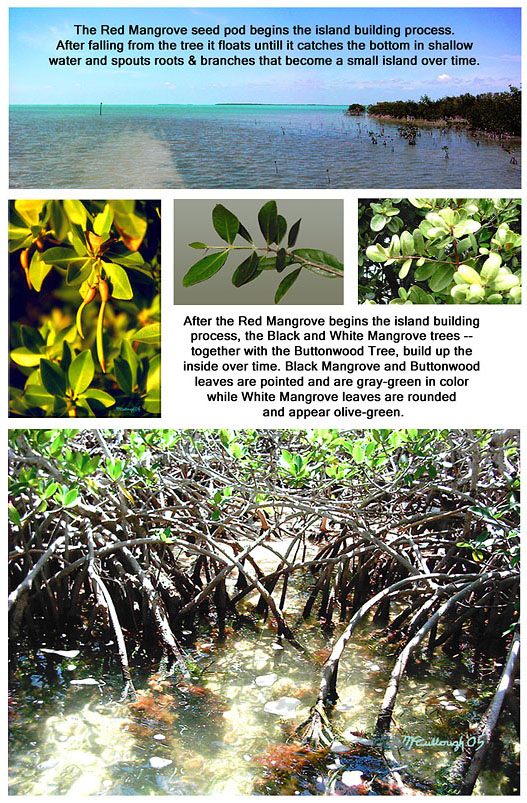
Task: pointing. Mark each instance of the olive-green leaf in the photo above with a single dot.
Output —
(81, 371)
(424, 272)
(286, 284)
(153, 380)
(281, 228)
(70, 497)
(377, 222)
(121, 287)
(38, 270)
(76, 211)
(123, 374)
(320, 259)
(242, 231)
(225, 223)
(441, 278)
(100, 396)
(407, 264)
(102, 222)
(246, 270)
(280, 260)
(151, 334)
(53, 378)
(79, 271)
(59, 220)
(25, 357)
(197, 245)
(205, 268)
(293, 234)
(268, 221)
(61, 257)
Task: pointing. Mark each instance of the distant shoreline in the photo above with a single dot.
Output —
(454, 125)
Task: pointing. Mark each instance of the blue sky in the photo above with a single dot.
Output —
(34, 33)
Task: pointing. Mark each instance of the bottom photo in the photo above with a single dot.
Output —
(264, 612)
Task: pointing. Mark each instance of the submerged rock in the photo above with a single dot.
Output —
(284, 707)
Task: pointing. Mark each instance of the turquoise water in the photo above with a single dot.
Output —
(241, 147)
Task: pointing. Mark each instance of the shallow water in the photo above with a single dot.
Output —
(241, 147)
(79, 739)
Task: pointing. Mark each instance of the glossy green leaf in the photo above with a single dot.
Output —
(246, 270)
(286, 284)
(320, 259)
(129, 356)
(405, 267)
(423, 272)
(13, 514)
(123, 375)
(37, 396)
(79, 271)
(70, 497)
(81, 371)
(100, 396)
(197, 245)
(38, 270)
(151, 334)
(205, 268)
(153, 380)
(441, 278)
(377, 222)
(53, 378)
(293, 234)
(59, 220)
(281, 228)
(280, 260)
(25, 357)
(102, 223)
(76, 211)
(121, 287)
(225, 223)
(268, 221)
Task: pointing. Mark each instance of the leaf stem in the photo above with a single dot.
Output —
(267, 248)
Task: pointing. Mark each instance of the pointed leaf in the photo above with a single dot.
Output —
(246, 270)
(38, 270)
(280, 260)
(286, 284)
(205, 268)
(242, 231)
(225, 223)
(121, 287)
(102, 223)
(281, 228)
(53, 378)
(79, 271)
(293, 234)
(197, 245)
(123, 375)
(151, 334)
(81, 371)
(76, 211)
(100, 396)
(442, 277)
(321, 258)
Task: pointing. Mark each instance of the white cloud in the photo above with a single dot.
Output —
(444, 77)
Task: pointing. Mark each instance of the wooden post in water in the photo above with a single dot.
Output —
(100, 110)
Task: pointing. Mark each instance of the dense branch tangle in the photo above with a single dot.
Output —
(167, 528)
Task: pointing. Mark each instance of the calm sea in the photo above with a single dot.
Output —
(241, 147)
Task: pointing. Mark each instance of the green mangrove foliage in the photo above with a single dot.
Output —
(492, 112)
(440, 251)
(85, 308)
(277, 254)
